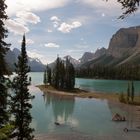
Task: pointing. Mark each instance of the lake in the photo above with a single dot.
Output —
(84, 116)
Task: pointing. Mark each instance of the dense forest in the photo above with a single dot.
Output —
(124, 72)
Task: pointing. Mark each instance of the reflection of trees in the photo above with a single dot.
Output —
(62, 106)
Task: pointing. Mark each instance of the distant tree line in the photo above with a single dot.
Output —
(124, 72)
(62, 76)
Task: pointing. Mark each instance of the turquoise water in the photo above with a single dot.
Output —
(85, 116)
(111, 86)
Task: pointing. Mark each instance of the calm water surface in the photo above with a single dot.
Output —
(86, 116)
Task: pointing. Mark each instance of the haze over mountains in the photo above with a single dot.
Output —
(124, 48)
(34, 63)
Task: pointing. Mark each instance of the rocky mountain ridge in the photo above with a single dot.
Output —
(124, 48)
(12, 57)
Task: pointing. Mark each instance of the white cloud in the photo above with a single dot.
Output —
(102, 3)
(16, 27)
(19, 25)
(49, 31)
(112, 7)
(56, 21)
(54, 18)
(28, 41)
(66, 28)
(34, 54)
(33, 5)
(52, 45)
(26, 16)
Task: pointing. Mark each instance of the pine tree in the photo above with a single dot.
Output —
(49, 75)
(132, 91)
(57, 73)
(3, 69)
(21, 99)
(128, 92)
(45, 77)
(69, 75)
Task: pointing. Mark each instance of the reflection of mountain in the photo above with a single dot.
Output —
(62, 107)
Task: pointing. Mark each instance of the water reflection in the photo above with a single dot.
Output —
(62, 107)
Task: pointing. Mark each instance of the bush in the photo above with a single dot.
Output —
(122, 98)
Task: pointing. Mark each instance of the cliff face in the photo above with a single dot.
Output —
(100, 52)
(124, 42)
(87, 56)
(124, 48)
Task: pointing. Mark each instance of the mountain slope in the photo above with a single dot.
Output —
(124, 48)
(12, 57)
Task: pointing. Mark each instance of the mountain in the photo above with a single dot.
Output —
(12, 57)
(72, 60)
(99, 52)
(124, 48)
(87, 56)
(36, 65)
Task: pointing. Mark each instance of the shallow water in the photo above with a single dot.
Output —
(85, 116)
(76, 115)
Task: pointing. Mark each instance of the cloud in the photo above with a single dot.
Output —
(52, 45)
(34, 54)
(16, 27)
(54, 18)
(19, 25)
(33, 5)
(26, 16)
(49, 31)
(56, 21)
(66, 28)
(28, 41)
(112, 7)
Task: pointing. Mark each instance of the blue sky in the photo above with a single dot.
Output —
(64, 27)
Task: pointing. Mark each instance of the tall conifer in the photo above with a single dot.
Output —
(3, 69)
(21, 99)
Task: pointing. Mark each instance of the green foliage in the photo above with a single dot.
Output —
(132, 91)
(128, 92)
(3, 67)
(123, 72)
(130, 6)
(49, 75)
(20, 104)
(63, 75)
(122, 98)
(45, 77)
(6, 131)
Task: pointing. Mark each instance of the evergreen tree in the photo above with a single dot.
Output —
(21, 99)
(132, 91)
(49, 75)
(45, 77)
(63, 75)
(128, 92)
(3, 69)
(57, 73)
(69, 75)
